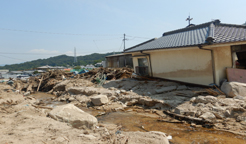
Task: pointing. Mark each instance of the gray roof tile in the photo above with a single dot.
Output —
(192, 36)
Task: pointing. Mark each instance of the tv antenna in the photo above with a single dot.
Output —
(189, 19)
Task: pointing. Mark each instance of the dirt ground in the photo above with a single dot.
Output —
(25, 119)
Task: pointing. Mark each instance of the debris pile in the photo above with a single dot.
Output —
(111, 74)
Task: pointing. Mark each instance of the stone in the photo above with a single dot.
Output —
(165, 89)
(210, 99)
(71, 99)
(99, 100)
(123, 91)
(27, 94)
(182, 87)
(91, 137)
(154, 137)
(218, 115)
(208, 116)
(239, 97)
(61, 86)
(132, 102)
(227, 113)
(82, 90)
(74, 116)
(232, 89)
(82, 99)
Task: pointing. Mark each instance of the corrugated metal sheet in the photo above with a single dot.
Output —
(192, 36)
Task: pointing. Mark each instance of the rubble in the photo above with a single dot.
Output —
(99, 100)
(232, 89)
(74, 116)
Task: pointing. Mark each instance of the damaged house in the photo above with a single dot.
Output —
(199, 54)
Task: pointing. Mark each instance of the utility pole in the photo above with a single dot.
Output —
(124, 41)
(75, 57)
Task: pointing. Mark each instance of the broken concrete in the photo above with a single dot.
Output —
(99, 100)
(232, 89)
(71, 114)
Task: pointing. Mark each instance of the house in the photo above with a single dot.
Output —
(119, 60)
(196, 54)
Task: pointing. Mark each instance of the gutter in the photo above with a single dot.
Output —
(149, 62)
(212, 58)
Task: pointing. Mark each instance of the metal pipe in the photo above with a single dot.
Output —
(149, 62)
(212, 58)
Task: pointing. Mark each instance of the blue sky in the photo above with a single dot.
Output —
(33, 29)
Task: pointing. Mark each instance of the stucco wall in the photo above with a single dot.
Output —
(187, 65)
(222, 59)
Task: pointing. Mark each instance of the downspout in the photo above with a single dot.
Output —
(212, 58)
(149, 62)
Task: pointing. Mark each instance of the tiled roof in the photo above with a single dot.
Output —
(207, 33)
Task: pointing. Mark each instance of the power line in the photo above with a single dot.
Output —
(138, 37)
(13, 58)
(58, 33)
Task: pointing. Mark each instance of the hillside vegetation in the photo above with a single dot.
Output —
(61, 60)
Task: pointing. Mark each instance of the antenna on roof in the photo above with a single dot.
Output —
(189, 19)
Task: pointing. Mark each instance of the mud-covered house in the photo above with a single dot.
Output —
(199, 54)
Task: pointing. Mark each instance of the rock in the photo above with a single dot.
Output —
(91, 137)
(149, 102)
(123, 91)
(82, 99)
(27, 94)
(61, 86)
(74, 116)
(82, 90)
(218, 115)
(99, 100)
(165, 89)
(117, 92)
(210, 99)
(71, 99)
(179, 110)
(154, 137)
(239, 97)
(208, 116)
(111, 88)
(232, 89)
(227, 113)
(132, 102)
(182, 87)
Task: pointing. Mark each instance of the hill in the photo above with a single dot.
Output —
(61, 60)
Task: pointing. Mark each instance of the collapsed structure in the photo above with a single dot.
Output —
(196, 54)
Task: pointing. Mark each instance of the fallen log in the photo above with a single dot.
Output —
(40, 83)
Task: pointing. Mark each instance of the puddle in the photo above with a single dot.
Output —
(47, 99)
(180, 133)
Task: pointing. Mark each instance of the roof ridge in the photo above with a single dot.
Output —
(191, 28)
(234, 25)
(140, 44)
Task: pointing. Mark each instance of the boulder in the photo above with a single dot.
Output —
(82, 90)
(155, 137)
(99, 100)
(232, 89)
(61, 86)
(208, 116)
(165, 89)
(74, 116)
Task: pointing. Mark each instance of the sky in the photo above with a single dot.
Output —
(38, 29)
